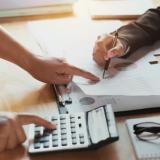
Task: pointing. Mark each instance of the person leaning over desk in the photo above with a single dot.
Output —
(48, 70)
(144, 31)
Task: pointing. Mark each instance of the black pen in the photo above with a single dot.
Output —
(61, 103)
(108, 61)
(59, 96)
(66, 95)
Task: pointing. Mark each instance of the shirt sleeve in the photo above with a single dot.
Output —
(143, 31)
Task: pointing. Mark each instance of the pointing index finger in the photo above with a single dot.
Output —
(80, 72)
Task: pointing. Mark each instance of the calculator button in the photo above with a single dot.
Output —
(54, 119)
(63, 126)
(37, 145)
(74, 141)
(73, 135)
(55, 132)
(44, 139)
(62, 117)
(72, 120)
(81, 135)
(73, 125)
(47, 131)
(64, 136)
(72, 116)
(55, 144)
(63, 121)
(63, 131)
(37, 129)
(37, 134)
(82, 140)
(46, 134)
(55, 137)
(73, 130)
(36, 140)
(64, 142)
(46, 145)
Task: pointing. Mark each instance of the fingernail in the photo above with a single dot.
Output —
(96, 79)
(106, 57)
(111, 54)
(52, 126)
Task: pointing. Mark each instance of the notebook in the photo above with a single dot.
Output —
(144, 150)
(127, 9)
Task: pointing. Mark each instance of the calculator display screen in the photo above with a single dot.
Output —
(97, 125)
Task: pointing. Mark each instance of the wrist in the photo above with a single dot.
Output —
(27, 61)
(34, 64)
(126, 47)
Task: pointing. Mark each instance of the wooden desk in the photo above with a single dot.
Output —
(21, 93)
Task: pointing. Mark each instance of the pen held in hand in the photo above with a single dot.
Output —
(106, 67)
(109, 60)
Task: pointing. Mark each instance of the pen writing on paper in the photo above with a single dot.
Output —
(109, 60)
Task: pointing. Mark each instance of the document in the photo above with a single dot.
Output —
(130, 84)
(139, 78)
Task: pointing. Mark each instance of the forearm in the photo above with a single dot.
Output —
(144, 31)
(12, 51)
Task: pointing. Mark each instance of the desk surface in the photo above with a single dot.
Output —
(21, 93)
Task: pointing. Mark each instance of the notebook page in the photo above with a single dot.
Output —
(144, 150)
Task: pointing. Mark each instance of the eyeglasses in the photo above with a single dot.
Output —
(147, 131)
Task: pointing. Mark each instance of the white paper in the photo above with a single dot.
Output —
(74, 39)
(138, 79)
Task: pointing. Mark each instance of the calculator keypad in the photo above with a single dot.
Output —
(70, 133)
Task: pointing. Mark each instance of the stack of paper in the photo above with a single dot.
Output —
(31, 7)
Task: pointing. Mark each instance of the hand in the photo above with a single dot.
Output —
(58, 71)
(11, 131)
(103, 49)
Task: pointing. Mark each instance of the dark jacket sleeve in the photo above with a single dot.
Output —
(144, 31)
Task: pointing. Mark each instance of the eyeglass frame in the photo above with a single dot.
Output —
(139, 130)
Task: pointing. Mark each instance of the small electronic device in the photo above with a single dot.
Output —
(81, 130)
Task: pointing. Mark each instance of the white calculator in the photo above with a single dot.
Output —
(75, 131)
